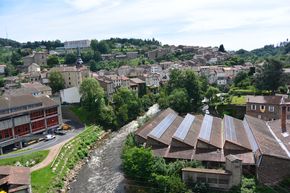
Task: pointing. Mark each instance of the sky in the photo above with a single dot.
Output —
(246, 24)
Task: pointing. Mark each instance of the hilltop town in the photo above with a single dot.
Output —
(222, 118)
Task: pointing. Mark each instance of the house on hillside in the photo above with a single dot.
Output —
(266, 108)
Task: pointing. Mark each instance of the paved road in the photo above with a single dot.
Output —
(46, 144)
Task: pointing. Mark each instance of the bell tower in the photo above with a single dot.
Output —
(79, 62)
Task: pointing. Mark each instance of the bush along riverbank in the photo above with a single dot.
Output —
(55, 177)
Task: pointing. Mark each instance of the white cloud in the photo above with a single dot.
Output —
(239, 23)
(84, 5)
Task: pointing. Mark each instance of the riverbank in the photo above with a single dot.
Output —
(102, 173)
(74, 172)
(51, 178)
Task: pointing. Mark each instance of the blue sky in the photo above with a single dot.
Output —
(237, 24)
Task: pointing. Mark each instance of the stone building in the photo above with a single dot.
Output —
(223, 179)
(39, 58)
(266, 108)
(72, 75)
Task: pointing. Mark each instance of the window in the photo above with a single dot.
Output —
(69, 78)
(69, 83)
(288, 109)
(223, 181)
(201, 179)
(6, 133)
(22, 130)
(262, 107)
(271, 108)
(212, 180)
(38, 125)
(253, 107)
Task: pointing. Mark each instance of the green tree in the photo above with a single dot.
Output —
(222, 48)
(87, 56)
(70, 58)
(287, 48)
(170, 184)
(52, 60)
(103, 47)
(188, 80)
(137, 163)
(10, 70)
(93, 65)
(16, 58)
(211, 93)
(126, 100)
(92, 95)
(97, 56)
(94, 45)
(56, 81)
(178, 100)
(270, 75)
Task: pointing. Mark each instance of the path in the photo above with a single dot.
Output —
(53, 152)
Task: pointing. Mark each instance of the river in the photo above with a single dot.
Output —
(103, 171)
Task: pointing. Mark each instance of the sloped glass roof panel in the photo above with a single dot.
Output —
(206, 127)
(230, 129)
(163, 125)
(250, 135)
(183, 128)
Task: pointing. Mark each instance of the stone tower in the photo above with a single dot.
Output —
(79, 62)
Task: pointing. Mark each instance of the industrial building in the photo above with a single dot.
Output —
(22, 117)
(258, 144)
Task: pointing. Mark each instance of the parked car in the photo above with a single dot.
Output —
(59, 132)
(49, 137)
(66, 127)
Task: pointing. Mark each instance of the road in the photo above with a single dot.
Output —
(46, 144)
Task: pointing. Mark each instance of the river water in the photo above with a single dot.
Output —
(103, 172)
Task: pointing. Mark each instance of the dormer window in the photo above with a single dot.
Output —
(253, 107)
(262, 108)
(271, 108)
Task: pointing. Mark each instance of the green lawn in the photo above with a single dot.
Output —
(236, 100)
(28, 160)
(18, 151)
(41, 179)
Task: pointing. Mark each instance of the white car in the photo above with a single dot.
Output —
(49, 137)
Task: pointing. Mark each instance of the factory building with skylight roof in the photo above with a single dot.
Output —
(263, 147)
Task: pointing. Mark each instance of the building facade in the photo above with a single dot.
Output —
(72, 75)
(77, 44)
(39, 58)
(23, 116)
(266, 108)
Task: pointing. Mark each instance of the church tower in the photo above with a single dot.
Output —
(79, 62)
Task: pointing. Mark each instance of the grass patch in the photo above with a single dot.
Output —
(28, 160)
(82, 114)
(53, 176)
(41, 179)
(238, 100)
(17, 151)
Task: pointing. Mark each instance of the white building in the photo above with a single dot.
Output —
(77, 44)
(2, 68)
(70, 95)
(33, 68)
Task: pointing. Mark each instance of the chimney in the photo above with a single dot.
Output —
(283, 115)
